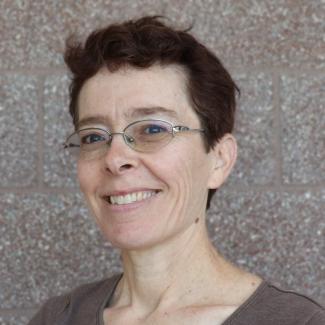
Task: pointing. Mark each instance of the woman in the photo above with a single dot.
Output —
(153, 111)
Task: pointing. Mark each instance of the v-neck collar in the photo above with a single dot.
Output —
(241, 309)
(100, 312)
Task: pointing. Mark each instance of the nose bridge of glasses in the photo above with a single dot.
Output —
(116, 133)
(127, 138)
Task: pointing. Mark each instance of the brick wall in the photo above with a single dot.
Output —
(268, 218)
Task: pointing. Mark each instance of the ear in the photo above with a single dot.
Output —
(224, 155)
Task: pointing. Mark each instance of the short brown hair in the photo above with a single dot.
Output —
(147, 41)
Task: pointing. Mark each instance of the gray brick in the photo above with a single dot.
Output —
(254, 131)
(303, 124)
(59, 167)
(253, 32)
(49, 23)
(18, 130)
(13, 35)
(248, 32)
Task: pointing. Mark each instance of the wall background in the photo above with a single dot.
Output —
(268, 218)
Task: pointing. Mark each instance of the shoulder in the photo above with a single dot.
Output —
(272, 305)
(90, 295)
(297, 301)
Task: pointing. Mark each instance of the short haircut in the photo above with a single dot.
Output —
(147, 41)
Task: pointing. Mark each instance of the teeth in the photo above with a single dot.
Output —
(131, 197)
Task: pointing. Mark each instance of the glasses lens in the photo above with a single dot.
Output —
(148, 135)
(87, 141)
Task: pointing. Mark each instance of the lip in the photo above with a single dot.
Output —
(128, 191)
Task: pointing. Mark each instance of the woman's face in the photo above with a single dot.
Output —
(171, 183)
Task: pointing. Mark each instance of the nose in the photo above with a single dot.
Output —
(119, 157)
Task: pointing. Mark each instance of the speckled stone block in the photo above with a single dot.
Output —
(254, 131)
(49, 23)
(18, 130)
(48, 244)
(303, 124)
(242, 32)
(59, 166)
(253, 32)
(14, 320)
(279, 236)
(13, 36)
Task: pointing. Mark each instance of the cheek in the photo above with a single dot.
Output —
(185, 171)
(196, 173)
(191, 165)
(85, 176)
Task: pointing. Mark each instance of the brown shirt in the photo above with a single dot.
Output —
(268, 305)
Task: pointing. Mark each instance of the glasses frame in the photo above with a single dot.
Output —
(176, 129)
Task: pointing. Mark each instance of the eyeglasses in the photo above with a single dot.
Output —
(142, 136)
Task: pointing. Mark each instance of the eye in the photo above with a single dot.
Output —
(154, 129)
(148, 131)
(92, 138)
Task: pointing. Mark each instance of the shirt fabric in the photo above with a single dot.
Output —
(268, 305)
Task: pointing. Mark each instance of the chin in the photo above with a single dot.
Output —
(129, 238)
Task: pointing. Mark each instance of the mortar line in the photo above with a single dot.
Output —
(316, 71)
(291, 188)
(38, 190)
(277, 69)
(35, 71)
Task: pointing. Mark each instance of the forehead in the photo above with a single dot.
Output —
(130, 92)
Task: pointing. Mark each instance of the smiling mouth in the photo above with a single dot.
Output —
(130, 197)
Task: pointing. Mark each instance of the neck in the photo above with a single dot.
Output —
(173, 272)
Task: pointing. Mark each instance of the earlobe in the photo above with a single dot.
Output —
(224, 158)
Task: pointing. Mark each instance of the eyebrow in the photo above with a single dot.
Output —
(144, 111)
(131, 113)
(96, 119)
